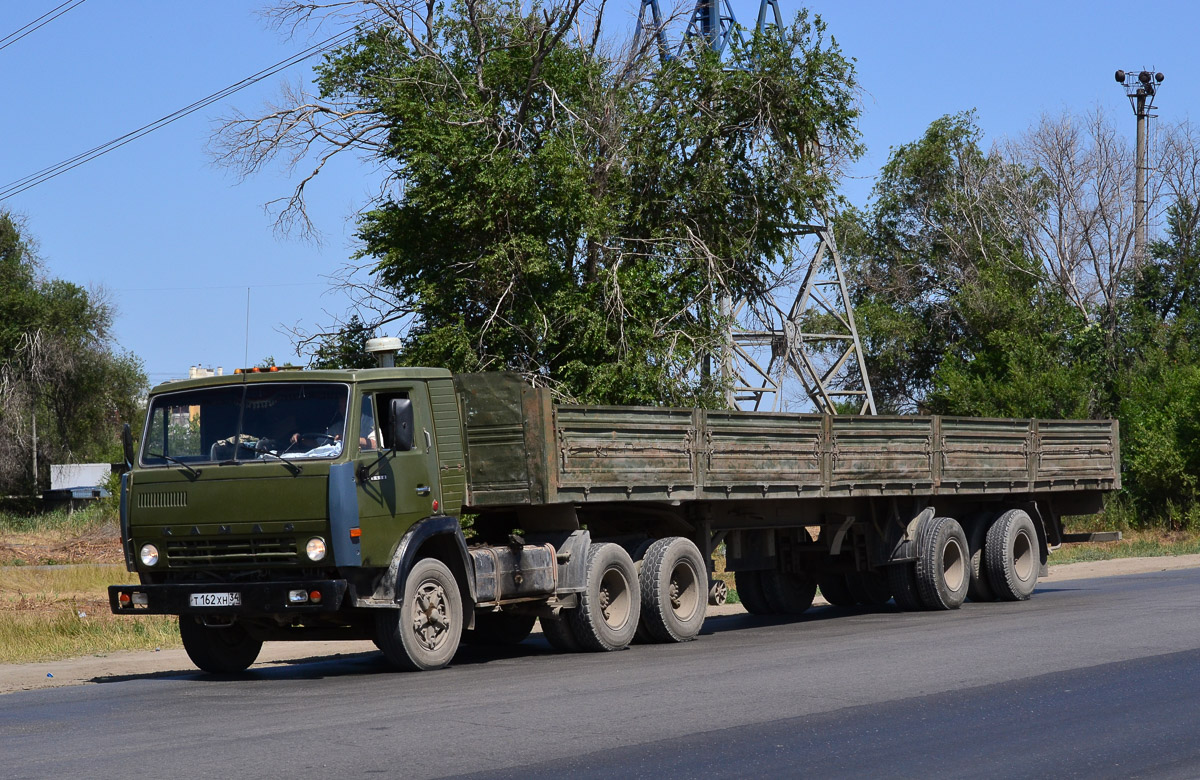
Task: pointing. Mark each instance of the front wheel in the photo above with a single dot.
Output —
(424, 633)
(218, 649)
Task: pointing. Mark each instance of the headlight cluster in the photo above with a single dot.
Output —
(315, 549)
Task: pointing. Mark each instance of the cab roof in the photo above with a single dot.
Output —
(350, 375)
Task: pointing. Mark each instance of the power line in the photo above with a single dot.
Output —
(17, 35)
(45, 174)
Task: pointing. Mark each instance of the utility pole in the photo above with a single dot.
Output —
(1140, 88)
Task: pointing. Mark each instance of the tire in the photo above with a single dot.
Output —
(1011, 556)
(558, 634)
(980, 589)
(943, 565)
(869, 588)
(218, 650)
(748, 585)
(787, 593)
(423, 634)
(499, 629)
(610, 606)
(835, 590)
(902, 577)
(674, 585)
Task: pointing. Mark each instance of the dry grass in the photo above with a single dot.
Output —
(62, 612)
(86, 536)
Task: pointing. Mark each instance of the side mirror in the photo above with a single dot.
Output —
(127, 445)
(402, 422)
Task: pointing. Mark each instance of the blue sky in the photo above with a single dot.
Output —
(176, 241)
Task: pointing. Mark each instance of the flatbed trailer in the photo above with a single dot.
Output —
(602, 522)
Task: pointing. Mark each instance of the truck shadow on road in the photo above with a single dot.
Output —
(372, 662)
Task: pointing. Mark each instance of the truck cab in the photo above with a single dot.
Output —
(271, 505)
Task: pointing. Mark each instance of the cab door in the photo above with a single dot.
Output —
(395, 489)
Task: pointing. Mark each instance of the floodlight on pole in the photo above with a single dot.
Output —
(1141, 87)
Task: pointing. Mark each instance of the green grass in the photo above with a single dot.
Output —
(59, 521)
(63, 613)
(44, 636)
(1136, 544)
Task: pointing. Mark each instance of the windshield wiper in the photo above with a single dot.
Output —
(194, 472)
(292, 467)
(262, 451)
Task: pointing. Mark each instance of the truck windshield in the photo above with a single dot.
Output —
(250, 422)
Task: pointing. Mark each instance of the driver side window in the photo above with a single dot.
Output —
(368, 431)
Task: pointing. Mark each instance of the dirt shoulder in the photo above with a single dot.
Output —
(97, 669)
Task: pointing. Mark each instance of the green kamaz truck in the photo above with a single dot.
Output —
(332, 504)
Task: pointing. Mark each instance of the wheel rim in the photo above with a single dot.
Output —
(683, 591)
(431, 616)
(615, 598)
(954, 569)
(1022, 553)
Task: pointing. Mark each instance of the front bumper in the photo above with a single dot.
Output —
(257, 598)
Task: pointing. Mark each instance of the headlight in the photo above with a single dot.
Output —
(315, 548)
(149, 554)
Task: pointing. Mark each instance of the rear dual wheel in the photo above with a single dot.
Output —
(673, 583)
(773, 592)
(499, 629)
(1011, 556)
(943, 566)
(609, 608)
(940, 576)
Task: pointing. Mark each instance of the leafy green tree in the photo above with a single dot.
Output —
(561, 204)
(1159, 380)
(955, 316)
(59, 370)
(344, 348)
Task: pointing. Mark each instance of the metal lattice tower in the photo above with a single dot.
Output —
(813, 340)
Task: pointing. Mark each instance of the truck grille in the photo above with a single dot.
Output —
(259, 550)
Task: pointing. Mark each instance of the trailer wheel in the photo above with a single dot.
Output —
(748, 585)
(787, 593)
(674, 597)
(902, 577)
(499, 629)
(610, 606)
(558, 634)
(423, 634)
(836, 591)
(980, 589)
(869, 588)
(1010, 556)
(219, 649)
(943, 566)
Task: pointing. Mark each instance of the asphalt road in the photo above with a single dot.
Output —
(1091, 678)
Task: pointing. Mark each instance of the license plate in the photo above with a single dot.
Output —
(216, 599)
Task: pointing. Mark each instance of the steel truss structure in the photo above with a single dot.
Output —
(813, 340)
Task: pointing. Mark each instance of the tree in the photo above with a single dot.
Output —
(558, 203)
(59, 370)
(956, 316)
